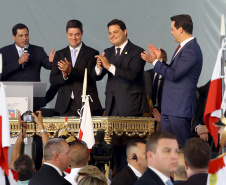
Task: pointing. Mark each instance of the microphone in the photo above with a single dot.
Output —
(25, 51)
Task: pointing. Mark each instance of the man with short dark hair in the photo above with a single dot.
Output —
(79, 159)
(57, 158)
(137, 164)
(68, 73)
(25, 168)
(181, 78)
(21, 65)
(162, 157)
(197, 154)
(125, 95)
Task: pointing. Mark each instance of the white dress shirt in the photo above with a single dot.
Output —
(72, 176)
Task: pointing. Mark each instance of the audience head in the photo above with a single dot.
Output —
(181, 27)
(197, 154)
(90, 180)
(117, 32)
(20, 35)
(74, 33)
(163, 55)
(90, 170)
(180, 174)
(162, 152)
(25, 167)
(57, 153)
(79, 154)
(136, 154)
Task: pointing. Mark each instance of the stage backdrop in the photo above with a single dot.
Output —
(147, 21)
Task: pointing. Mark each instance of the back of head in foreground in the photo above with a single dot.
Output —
(197, 154)
(90, 170)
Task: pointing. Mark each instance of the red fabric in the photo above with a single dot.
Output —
(15, 174)
(178, 48)
(3, 152)
(216, 164)
(68, 170)
(213, 103)
(80, 134)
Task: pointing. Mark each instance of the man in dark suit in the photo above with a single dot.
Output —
(162, 157)
(125, 94)
(137, 164)
(68, 72)
(197, 154)
(154, 84)
(20, 64)
(181, 78)
(57, 158)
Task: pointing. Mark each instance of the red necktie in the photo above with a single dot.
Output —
(178, 48)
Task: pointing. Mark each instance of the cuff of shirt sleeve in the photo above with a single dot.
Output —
(112, 69)
(98, 71)
(155, 62)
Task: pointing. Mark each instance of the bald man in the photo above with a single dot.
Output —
(137, 164)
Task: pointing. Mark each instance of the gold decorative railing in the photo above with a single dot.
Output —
(129, 126)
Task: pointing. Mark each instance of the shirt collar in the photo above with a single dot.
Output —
(160, 174)
(78, 48)
(186, 41)
(57, 169)
(122, 46)
(137, 173)
(19, 48)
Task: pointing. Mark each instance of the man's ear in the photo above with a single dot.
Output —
(186, 165)
(125, 32)
(150, 155)
(14, 38)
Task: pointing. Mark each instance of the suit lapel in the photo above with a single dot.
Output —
(67, 54)
(112, 55)
(15, 52)
(124, 53)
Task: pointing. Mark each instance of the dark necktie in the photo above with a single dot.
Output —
(117, 55)
(177, 49)
(155, 89)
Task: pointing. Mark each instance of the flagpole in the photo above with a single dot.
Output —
(223, 55)
(83, 93)
(222, 66)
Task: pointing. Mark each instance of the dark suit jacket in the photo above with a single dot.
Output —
(12, 71)
(181, 78)
(125, 176)
(196, 179)
(47, 175)
(149, 79)
(127, 86)
(75, 79)
(149, 177)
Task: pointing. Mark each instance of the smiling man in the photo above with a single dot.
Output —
(68, 72)
(125, 94)
(162, 157)
(20, 64)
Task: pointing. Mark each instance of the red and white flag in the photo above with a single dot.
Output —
(86, 127)
(214, 100)
(217, 171)
(4, 131)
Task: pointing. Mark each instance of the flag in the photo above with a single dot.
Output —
(86, 127)
(217, 171)
(214, 100)
(4, 131)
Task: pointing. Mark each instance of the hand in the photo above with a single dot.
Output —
(64, 66)
(202, 129)
(39, 119)
(204, 137)
(153, 50)
(23, 58)
(157, 115)
(147, 57)
(51, 55)
(23, 125)
(101, 59)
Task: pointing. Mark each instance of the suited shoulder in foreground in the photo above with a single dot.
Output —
(162, 157)
(57, 159)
